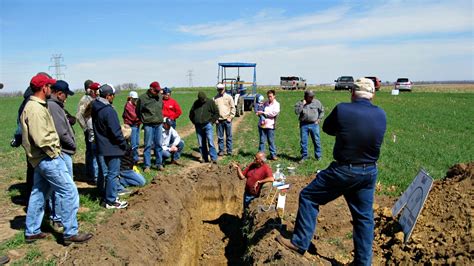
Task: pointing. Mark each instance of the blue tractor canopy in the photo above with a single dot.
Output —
(229, 74)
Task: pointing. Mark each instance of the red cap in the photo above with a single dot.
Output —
(40, 80)
(94, 86)
(155, 85)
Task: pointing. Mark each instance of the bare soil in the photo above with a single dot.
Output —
(195, 218)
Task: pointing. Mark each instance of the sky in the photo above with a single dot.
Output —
(141, 41)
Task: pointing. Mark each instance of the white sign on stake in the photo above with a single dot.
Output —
(412, 201)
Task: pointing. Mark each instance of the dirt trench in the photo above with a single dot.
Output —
(190, 219)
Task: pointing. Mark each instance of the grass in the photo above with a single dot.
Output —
(429, 128)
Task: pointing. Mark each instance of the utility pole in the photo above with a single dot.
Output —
(56, 59)
(190, 77)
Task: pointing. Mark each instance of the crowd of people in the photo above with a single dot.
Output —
(111, 157)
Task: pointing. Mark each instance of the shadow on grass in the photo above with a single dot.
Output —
(90, 192)
(289, 157)
(22, 198)
(18, 223)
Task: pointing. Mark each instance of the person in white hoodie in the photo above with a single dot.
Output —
(172, 143)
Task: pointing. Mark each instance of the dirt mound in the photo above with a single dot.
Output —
(443, 233)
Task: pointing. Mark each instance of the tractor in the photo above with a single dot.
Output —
(236, 87)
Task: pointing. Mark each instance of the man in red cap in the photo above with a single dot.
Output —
(150, 111)
(92, 168)
(41, 143)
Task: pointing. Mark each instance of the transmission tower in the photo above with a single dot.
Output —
(190, 77)
(57, 59)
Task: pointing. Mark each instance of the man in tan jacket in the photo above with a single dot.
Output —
(41, 143)
(226, 106)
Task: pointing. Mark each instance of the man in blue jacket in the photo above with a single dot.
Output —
(359, 128)
(110, 143)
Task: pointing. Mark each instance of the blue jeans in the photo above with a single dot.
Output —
(108, 178)
(357, 185)
(135, 142)
(152, 137)
(205, 138)
(247, 199)
(51, 175)
(222, 127)
(267, 134)
(313, 130)
(102, 175)
(175, 155)
(130, 178)
(92, 166)
(54, 204)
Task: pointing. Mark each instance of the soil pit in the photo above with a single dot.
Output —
(193, 218)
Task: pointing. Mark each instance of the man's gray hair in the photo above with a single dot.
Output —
(363, 94)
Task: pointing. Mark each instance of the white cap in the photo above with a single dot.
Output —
(220, 86)
(133, 94)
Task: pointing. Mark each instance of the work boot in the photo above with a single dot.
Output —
(157, 167)
(4, 260)
(176, 162)
(302, 160)
(79, 238)
(33, 238)
(287, 244)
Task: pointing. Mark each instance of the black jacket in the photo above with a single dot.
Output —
(127, 162)
(204, 110)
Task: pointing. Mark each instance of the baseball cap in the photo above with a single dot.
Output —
(106, 89)
(166, 90)
(155, 85)
(40, 80)
(133, 94)
(220, 86)
(94, 86)
(309, 93)
(364, 84)
(169, 121)
(62, 85)
(87, 84)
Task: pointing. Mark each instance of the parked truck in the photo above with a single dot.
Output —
(292, 83)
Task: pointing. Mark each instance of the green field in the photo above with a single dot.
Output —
(430, 128)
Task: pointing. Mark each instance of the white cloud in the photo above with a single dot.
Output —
(421, 40)
(338, 25)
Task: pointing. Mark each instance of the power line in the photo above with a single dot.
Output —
(190, 77)
(57, 58)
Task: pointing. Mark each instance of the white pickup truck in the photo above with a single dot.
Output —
(292, 83)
